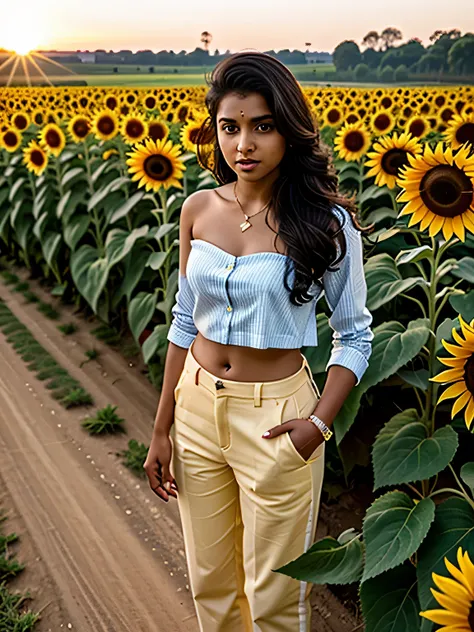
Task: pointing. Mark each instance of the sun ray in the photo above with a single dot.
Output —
(25, 70)
(40, 70)
(52, 61)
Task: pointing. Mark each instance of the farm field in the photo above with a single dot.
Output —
(92, 181)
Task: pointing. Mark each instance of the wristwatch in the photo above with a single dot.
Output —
(319, 423)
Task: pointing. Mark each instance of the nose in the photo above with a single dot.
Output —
(245, 143)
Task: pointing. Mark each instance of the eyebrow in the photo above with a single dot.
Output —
(255, 119)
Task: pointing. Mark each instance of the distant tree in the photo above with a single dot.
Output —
(453, 34)
(386, 74)
(206, 39)
(389, 36)
(372, 57)
(371, 39)
(361, 72)
(400, 74)
(431, 61)
(461, 55)
(346, 55)
(151, 69)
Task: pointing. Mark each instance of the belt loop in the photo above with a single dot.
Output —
(196, 376)
(257, 394)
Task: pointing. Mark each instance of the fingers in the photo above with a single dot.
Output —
(163, 486)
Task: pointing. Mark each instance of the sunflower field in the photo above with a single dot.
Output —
(91, 185)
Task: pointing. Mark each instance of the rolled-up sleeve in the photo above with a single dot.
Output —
(182, 330)
(346, 296)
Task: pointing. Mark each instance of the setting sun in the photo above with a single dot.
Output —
(22, 33)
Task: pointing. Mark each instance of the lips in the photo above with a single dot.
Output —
(247, 162)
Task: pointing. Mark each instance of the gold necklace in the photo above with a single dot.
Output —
(246, 224)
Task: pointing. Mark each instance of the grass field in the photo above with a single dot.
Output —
(140, 76)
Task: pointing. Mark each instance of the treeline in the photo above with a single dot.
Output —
(198, 57)
(449, 54)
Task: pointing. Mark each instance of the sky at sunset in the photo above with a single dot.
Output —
(236, 25)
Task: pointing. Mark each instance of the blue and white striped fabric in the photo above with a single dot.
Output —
(242, 301)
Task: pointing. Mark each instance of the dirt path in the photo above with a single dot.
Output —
(113, 553)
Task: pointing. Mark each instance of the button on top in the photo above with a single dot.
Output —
(229, 308)
(230, 266)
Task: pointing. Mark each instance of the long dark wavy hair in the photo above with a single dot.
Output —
(306, 189)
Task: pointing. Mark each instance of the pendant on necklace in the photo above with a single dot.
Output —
(245, 225)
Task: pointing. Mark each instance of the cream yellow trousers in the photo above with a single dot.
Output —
(248, 505)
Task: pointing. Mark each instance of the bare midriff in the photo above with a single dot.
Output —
(245, 364)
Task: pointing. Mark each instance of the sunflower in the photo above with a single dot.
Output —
(389, 156)
(332, 116)
(180, 113)
(10, 139)
(134, 128)
(439, 189)
(417, 126)
(105, 124)
(352, 141)
(79, 127)
(156, 164)
(35, 158)
(52, 139)
(37, 116)
(111, 101)
(188, 135)
(157, 129)
(149, 101)
(460, 130)
(461, 373)
(382, 122)
(456, 598)
(20, 121)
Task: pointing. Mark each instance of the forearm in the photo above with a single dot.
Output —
(339, 383)
(174, 364)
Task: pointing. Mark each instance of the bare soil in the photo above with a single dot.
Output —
(103, 553)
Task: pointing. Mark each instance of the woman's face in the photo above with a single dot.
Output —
(246, 131)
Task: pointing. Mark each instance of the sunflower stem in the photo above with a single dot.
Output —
(95, 217)
(418, 302)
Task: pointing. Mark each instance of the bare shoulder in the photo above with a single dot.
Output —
(195, 202)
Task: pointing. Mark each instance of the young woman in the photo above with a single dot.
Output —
(233, 422)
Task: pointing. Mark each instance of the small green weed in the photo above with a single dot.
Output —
(106, 334)
(48, 310)
(106, 420)
(9, 278)
(68, 328)
(21, 287)
(135, 456)
(30, 297)
(76, 397)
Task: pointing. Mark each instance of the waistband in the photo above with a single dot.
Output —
(255, 390)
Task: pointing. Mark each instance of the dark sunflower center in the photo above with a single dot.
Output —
(382, 122)
(156, 131)
(130, 99)
(193, 135)
(440, 100)
(39, 118)
(106, 125)
(386, 102)
(469, 380)
(84, 101)
(334, 115)
(394, 160)
(52, 138)
(10, 139)
(352, 118)
(21, 121)
(447, 114)
(37, 158)
(182, 113)
(135, 128)
(465, 133)
(81, 128)
(354, 141)
(417, 127)
(111, 102)
(150, 102)
(446, 191)
(158, 168)
(470, 617)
